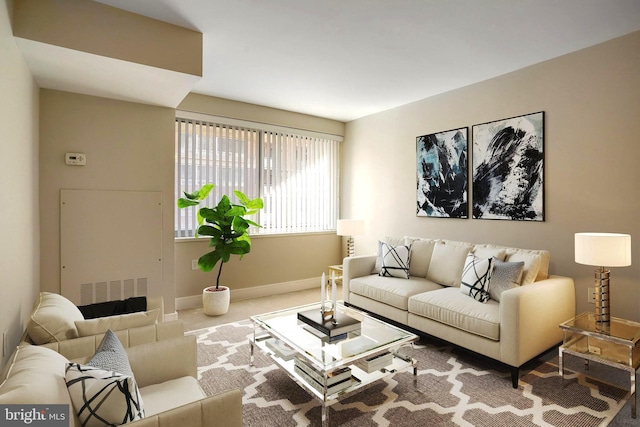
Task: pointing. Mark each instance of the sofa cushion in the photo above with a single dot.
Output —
(390, 240)
(100, 325)
(170, 394)
(103, 397)
(504, 276)
(447, 263)
(490, 251)
(391, 290)
(451, 307)
(395, 261)
(476, 277)
(421, 252)
(531, 261)
(52, 319)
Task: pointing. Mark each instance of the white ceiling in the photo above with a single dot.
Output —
(344, 59)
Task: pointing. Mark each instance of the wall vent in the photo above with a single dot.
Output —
(112, 290)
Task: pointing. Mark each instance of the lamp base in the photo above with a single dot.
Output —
(350, 247)
(601, 295)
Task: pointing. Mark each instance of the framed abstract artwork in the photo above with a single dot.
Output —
(508, 169)
(441, 174)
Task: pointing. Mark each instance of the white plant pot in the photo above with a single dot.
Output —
(215, 302)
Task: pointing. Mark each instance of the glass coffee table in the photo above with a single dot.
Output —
(615, 344)
(329, 369)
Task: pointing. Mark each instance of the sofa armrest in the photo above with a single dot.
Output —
(355, 266)
(156, 302)
(85, 347)
(530, 316)
(165, 360)
(224, 409)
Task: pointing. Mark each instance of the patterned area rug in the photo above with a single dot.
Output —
(453, 388)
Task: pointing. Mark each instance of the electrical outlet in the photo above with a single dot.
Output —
(591, 295)
(194, 264)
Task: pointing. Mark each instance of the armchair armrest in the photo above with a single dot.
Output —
(530, 316)
(356, 266)
(165, 360)
(224, 409)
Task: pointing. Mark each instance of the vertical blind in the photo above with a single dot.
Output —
(296, 175)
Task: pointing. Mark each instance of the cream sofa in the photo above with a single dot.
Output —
(165, 372)
(520, 326)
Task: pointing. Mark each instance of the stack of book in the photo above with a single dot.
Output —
(334, 329)
(375, 363)
(337, 380)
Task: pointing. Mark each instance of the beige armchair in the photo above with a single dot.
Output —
(55, 319)
(165, 372)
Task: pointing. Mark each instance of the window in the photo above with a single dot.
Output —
(295, 172)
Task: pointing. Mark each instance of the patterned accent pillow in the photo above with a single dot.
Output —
(475, 277)
(504, 276)
(111, 355)
(101, 397)
(395, 261)
(391, 241)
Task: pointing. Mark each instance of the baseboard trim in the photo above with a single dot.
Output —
(195, 301)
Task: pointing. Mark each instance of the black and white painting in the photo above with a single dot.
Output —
(441, 172)
(508, 169)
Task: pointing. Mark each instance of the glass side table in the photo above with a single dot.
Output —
(337, 271)
(614, 344)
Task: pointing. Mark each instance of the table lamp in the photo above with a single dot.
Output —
(603, 249)
(350, 228)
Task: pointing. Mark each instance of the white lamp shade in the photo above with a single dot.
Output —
(350, 227)
(603, 249)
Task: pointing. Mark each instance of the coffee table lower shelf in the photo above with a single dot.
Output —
(399, 362)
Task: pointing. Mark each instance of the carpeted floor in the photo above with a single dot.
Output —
(453, 388)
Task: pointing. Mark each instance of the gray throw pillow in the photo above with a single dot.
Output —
(504, 276)
(111, 355)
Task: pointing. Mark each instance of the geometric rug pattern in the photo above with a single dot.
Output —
(453, 388)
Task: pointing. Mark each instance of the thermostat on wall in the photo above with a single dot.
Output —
(76, 159)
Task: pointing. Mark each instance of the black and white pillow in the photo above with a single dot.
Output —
(504, 276)
(395, 260)
(104, 391)
(103, 398)
(476, 277)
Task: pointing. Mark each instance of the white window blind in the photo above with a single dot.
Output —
(296, 175)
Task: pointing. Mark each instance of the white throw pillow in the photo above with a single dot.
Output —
(395, 261)
(447, 263)
(476, 278)
(504, 276)
(52, 319)
(101, 397)
(100, 325)
(390, 240)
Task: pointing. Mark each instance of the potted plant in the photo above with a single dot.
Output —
(227, 227)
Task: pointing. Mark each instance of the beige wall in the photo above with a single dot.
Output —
(285, 260)
(591, 100)
(107, 31)
(19, 248)
(128, 146)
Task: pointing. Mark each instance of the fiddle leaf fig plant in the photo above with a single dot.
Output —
(225, 224)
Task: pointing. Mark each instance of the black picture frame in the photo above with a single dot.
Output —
(442, 174)
(508, 169)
